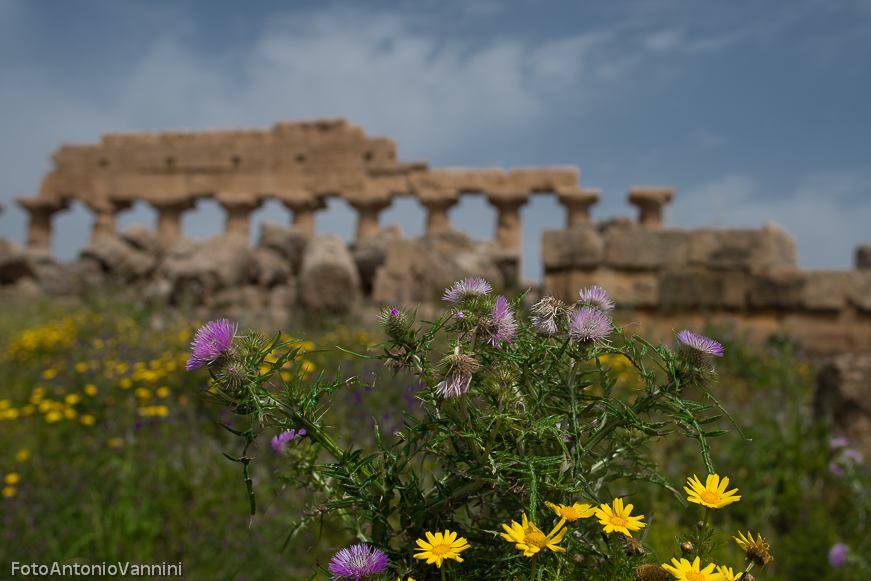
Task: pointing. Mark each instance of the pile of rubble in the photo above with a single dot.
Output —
(286, 268)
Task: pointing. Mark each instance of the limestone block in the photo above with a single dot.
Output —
(819, 332)
(579, 246)
(328, 278)
(781, 289)
(421, 269)
(119, 258)
(271, 267)
(693, 289)
(747, 249)
(825, 290)
(646, 249)
(290, 242)
(626, 289)
(859, 289)
(370, 252)
(843, 392)
(283, 296)
(863, 256)
(8, 247)
(247, 297)
(199, 269)
(143, 238)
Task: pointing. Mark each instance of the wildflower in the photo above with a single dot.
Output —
(211, 341)
(500, 325)
(441, 547)
(727, 573)
(91, 389)
(618, 519)
(457, 370)
(23, 455)
(839, 443)
(597, 298)
(547, 311)
(757, 551)
(683, 570)
(713, 494)
(115, 442)
(588, 325)
(279, 443)
(358, 562)
(12, 478)
(9, 491)
(470, 287)
(571, 513)
(838, 555)
(529, 539)
(699, 344)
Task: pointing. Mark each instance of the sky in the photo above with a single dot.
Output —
(754, 111)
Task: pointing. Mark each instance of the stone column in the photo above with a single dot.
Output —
(437, 213)
(367, 216)
(578, 205)
(239, 208)
(41, 211)
(508, 226)
(304, 214)
(105, 223)
(650, 201)
(169, 220)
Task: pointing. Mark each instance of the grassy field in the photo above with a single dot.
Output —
(108, 454)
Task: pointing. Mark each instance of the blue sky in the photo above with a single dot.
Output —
(754, 111)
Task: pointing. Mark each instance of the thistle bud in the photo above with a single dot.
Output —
(686, 548)
(397, 324)
(251, 345)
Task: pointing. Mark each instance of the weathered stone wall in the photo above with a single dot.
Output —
(667, 275)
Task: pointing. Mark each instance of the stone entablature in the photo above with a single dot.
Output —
(299, 163)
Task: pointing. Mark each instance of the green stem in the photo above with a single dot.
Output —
(534, 566)
(606, 429)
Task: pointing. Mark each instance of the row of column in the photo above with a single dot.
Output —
(650, 202)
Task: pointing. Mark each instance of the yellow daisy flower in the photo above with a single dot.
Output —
(757, 551)
(529, 539)
(713, 494)
(618, 519)
(441, 547)
(686, 572)
(571, 513)
(728, 575)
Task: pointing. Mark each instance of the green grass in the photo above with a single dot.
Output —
(119, 463)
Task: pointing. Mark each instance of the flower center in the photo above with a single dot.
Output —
(620, 521)
(535, 538)
(695, 576)
(710, 497)
(570, 513)
(440, 549)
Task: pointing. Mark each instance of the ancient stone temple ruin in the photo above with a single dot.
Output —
(659, 275)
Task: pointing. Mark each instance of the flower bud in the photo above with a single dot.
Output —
(578, 558)
(745, 577)
(632, 546)
(686, 548)
(397, 324)
(651, 573)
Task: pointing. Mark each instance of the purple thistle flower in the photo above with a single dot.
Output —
(212, 339)
(838, 555)
(700, 343)
(588, 324)
(835, 469)
(358, 562)
(839, 443)
(470, 287)
(501, 326)
(279, 443)
(597, 298)
(853, 455)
